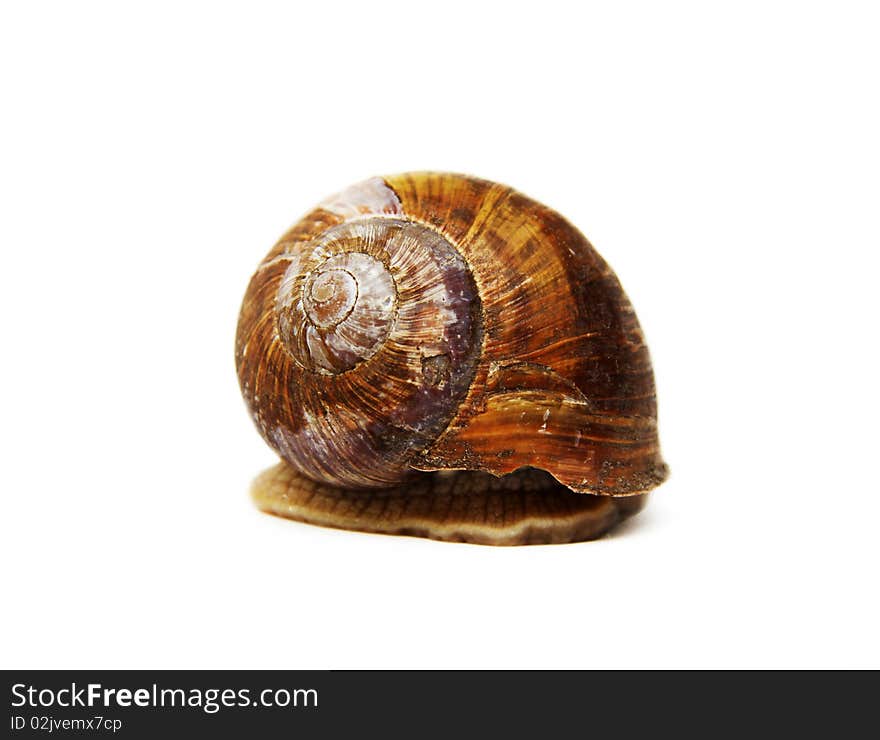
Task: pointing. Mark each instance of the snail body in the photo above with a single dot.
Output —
(431, 322)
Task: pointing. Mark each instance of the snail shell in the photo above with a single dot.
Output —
(437, 322)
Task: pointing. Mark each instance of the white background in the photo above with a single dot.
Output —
(723, 157)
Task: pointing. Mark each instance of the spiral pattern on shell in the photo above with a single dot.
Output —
(431, 321)
(378, 320)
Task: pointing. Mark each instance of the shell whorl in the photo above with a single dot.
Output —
(336, 314)
(434, 321)
(378, 322)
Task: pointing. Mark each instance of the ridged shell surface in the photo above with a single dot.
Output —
(434, 321)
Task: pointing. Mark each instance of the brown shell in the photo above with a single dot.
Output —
(541, 361)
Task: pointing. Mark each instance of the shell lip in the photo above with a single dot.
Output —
(640, 484)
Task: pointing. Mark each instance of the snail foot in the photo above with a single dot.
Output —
(526, 507)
